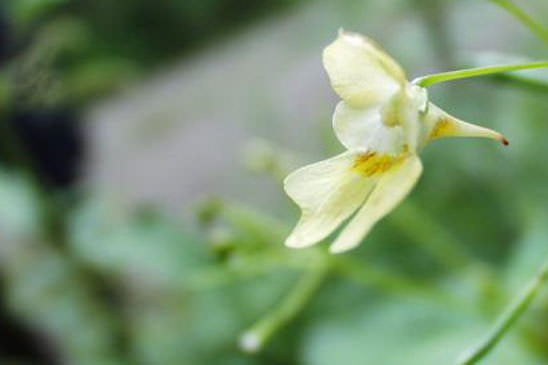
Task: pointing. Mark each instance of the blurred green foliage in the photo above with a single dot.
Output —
(97, 45)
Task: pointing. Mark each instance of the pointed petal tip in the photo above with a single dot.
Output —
(499, 137)
(342, 245)
(296, 242)
(335, 250)
(291, 242)
(293, 246)
(496, 136)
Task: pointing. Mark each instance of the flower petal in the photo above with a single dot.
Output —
(327, 192)
(439, 124)
(360, 72)
(363, 130)
(392, 187)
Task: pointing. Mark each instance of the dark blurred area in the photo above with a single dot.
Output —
(43, 136)
(141, 33)
(4, 38)
(142, 219)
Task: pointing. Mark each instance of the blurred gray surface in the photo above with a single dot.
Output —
(178, 136)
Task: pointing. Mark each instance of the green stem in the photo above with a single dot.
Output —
(475, 72)
(268, 229)
(255, 337)
(536, 27)
(507, 319)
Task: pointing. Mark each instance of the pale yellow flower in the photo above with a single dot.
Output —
(383, 121)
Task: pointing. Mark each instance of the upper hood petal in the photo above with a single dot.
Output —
(360, 72)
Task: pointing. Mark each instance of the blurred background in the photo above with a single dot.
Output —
(142, 146)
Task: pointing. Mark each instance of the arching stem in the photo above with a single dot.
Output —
(475, 72)
(508, 318)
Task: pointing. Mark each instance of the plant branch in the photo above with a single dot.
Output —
(255, 337)
(529, 22)
(475, 72)
(507, 319)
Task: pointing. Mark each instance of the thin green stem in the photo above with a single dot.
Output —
(475, 72)
(529, 22)
(268, 229)
(255, 337)
(507, 319)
